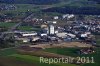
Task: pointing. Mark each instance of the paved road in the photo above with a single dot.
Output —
(29, 18)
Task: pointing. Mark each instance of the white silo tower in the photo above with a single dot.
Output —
(51, 29)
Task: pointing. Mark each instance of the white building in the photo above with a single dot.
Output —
(71, 35)
(65, 15)
(51, 29)
(56, 17)
(35, 38)
(44, 34)
(24, 40)
(26, 34)
(54, 22)
(68, 16)
(83, 35)
(62, 35)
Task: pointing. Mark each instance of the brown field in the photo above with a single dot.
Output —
(61, 45)
(40, 53)
(5, 61)
(32, 49)
(35, 50)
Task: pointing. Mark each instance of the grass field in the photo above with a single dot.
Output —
(26, 28)
(29, 59)
(22, 8)
(10, 57)
(72, 52)
(29, 28)
(7, 25)
(98, 39)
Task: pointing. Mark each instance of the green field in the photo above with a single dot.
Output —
(29, 28)
(26, 59)
(72, 52)
(7, 25)
(97, 39)
(26, 28)
(22, 8)
(12, 53)
(34, 59)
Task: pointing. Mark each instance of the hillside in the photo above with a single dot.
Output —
(29, 1)
(60, 6)
(98, 1)
(77, 7)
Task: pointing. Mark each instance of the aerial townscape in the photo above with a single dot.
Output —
(39, 32)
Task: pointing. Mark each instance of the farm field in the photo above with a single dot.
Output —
(30, 59)
(72, 52)
(7, 25)
(28, 28)
(98, 39)
(24, 60)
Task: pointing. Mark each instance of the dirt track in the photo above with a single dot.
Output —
(70, 44)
